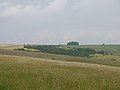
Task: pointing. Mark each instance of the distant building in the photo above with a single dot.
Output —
(73, 43)
(60, 46)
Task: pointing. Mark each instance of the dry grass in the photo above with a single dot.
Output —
(25, 73)
(10, 46)
(110, 60)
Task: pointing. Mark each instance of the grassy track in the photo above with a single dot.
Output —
(21, 73)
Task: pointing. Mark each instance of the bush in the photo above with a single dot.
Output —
(53, 58)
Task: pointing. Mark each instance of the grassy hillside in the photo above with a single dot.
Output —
(111, 49)
(22, 70)
(110, 60)
(21, 73)
(10, 46)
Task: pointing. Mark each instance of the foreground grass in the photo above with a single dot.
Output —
(21, 73)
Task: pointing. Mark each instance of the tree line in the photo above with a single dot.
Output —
(54, 49)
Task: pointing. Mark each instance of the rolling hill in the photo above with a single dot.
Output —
(28, 70)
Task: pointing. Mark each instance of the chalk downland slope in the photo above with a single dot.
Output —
(11, 46)
(110, 60)
(21, 73)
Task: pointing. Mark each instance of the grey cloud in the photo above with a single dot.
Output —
(28, 2)
(87, 21)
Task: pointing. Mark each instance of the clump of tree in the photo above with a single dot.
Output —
(73, 43)
(84, 52)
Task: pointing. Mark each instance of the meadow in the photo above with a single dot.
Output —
(111, 60)
(29, 70)
(21, 73)
(10, 46)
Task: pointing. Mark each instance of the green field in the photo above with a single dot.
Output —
(111, 49)
(23, 70)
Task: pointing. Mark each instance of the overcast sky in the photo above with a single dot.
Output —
(60, 21)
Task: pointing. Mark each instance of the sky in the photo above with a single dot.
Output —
(59, 21)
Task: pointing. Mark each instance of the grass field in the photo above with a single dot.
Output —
(111, 60)
(10, 46)
(22, 70)
(21, 73)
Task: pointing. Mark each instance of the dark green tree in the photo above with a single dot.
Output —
(73, 43)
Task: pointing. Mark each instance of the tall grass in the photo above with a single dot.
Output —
(24, 73)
